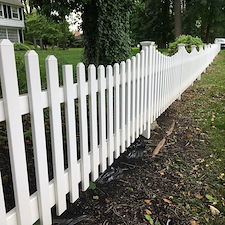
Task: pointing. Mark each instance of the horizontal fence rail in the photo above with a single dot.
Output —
(88, 123)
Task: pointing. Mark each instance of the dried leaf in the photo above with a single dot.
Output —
(162, 173)
(194, 222)
(96, 197)
(198, 196)
(147, 201)
(148, 212)
(189, 136)
(167, 201)
(159, 146)
(214, 210)
(169, 132)
(200, 160)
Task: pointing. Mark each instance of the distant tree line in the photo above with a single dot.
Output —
(164, 20)
(111, 27)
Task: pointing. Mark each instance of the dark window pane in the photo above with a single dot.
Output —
(20, 12)
(5, 11)
(9, 12)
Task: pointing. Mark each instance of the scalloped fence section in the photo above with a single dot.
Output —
(89, 124)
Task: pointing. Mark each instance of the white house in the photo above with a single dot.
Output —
(11, 20)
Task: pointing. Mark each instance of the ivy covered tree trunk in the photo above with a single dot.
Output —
(106, 31)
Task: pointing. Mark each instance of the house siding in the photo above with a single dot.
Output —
(11, 21)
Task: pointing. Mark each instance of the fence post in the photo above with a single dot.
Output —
(10, 92)
(181, 47)
(149, 45)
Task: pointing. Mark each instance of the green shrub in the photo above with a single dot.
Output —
(188, 40)
(23, 47)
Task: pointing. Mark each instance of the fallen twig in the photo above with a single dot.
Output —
(159, 146)
(169, 132)
(162, 142)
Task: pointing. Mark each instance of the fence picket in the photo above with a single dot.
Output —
(138, 64)
(71, 136)
(117, 110)
(83, 127)
(133, 69)
(128, 102)
(56, 132)
(142, 73)
(102, 118)
(38, 135)
(146, 65)
(92, 82)
(109, 77)
(147, 131)
(123, 105)
(14, 124)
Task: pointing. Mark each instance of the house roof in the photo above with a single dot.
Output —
(12, 2)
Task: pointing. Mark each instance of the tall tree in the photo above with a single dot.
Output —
(177, 18)
(105, 26)
(106, 31)
(205, 18)
(152, 20)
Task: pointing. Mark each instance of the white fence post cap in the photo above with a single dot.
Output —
(180, 46)
(5, 42)
(147, 43)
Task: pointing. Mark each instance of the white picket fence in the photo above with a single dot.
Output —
(122, 103)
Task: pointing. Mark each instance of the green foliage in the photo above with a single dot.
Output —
(23, 47)
(46, 31)
(149, 219)
(106, 31)
(204, 18)
(188, 40)
(152, 20)
(21, 74)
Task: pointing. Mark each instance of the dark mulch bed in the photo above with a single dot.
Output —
(143, 185)
(147, 186)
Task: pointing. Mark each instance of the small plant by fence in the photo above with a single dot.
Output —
(105, 111)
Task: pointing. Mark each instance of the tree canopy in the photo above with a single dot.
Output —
(164, 20)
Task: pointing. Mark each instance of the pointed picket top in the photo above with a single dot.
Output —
(91, 66)
(31, 53)
(50, 58)
(5, 42)
(81, 65)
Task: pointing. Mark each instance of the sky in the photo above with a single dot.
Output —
(75, 21)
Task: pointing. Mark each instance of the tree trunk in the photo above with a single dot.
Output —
(166, 18)
(177, 18)
(35, 42)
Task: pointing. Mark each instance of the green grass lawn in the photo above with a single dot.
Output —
(207, 107)
(70, 56)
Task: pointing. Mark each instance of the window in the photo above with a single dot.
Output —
(3, 34)
(13, 35)
(5, 11)
(1, 10)
(21, 14)
(9, 12)
(15, 13)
